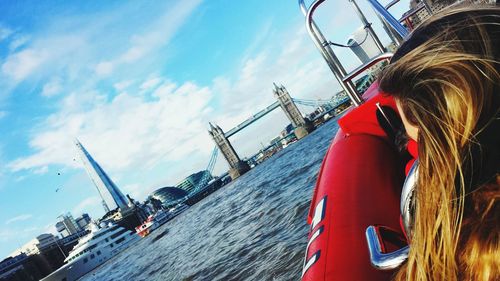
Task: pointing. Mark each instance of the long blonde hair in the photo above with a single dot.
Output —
(446, 77)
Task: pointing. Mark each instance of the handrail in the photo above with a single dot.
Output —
(419, 7)
(390, 4)
(372, 62)
(368, 27)
(327, 52)
(344, 78)
(390, 19)
(379, 259)
(397, 39)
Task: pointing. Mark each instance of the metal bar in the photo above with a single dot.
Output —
(327, 53)
(390, 4)
(380, 260)
(368, 26)
(398, 40)
(393, 22)
(359, 70)
(390, 32)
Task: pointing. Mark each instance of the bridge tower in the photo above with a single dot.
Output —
(237, 167)
(302, 126)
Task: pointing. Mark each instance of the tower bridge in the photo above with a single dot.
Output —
(252, 119)
(302, 127)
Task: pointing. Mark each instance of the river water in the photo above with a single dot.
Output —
(251, 229)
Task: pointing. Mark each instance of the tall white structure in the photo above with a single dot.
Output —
(362, 45)
(67, 225)
(109, 192)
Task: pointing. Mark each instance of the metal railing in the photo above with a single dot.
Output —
(385, 56)
(378, 258)
(344, 78)
(390, 4)
(391, 21)
(406, 17)
(326, 51)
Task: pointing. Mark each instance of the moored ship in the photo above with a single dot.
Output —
(158, 219)
(93, 250)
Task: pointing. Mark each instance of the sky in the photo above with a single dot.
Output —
(137, 83)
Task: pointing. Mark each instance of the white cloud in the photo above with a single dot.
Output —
(135, 190)
(133, 54)
(5, 32)
(21, 64)
(122, 85)
(52, 88)
(134, 133)
(159, 34)
(170, 124)
(77, 47)
(127, 131)
(263, 34)
(18, 41)
(22, 217)
(104, 68)
(9, 233)
(150, 83)
(49, 228)
(85, 205)
(42, 170)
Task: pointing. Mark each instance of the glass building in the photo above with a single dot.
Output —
(169, 196)
(109, 192)
(189, 184)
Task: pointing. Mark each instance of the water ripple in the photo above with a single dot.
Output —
(252, 229)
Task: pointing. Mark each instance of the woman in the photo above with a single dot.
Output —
(446, 81)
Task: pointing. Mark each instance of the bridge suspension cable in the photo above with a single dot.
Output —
(207, 176)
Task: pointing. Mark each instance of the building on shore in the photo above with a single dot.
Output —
(127, 213)
(83, 221)
(39, 257)
(170, 196)
(23, 267)
(191, 182)
(67, 225)
(362, 45)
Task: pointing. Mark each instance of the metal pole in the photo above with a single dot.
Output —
(57, 243)
(398, 40)
(368, 27)
(327, 53)
(395, 38)
(390, 4)
(392, 21)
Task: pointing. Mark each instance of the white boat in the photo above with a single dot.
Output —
(147, 226)
(92, 250)
(158, 219)
(178, 209)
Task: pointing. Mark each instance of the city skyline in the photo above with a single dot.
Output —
(138, 83)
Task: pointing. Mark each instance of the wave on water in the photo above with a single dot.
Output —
(252, 229)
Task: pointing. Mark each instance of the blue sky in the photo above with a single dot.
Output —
(137, 83)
